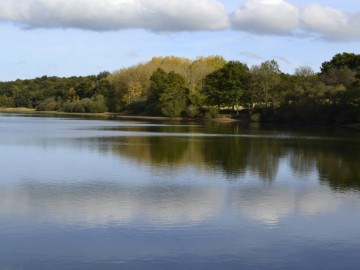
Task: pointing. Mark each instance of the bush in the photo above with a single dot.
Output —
(192, 111)
(210, 112)
(97, 105)
(49, 104)
(256, 117)
(86, 105)
(73, 107)
(137, 107)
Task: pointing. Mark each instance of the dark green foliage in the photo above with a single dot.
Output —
(6, 102)
(210, 112)
(331, 97)
(86, 105)
(349, 60)
(339, 76)
(49, 104)
(52, 93)
(23, 98)
(226, 86)
(168, 94)
(86, 88)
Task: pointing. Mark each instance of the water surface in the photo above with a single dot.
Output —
(101, 194)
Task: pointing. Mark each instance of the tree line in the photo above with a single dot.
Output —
(74, 94)
(176, 86)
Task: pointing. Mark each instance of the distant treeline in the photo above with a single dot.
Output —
(74, 94)
(175, 86)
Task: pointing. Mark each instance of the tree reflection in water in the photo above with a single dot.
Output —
(238, 151)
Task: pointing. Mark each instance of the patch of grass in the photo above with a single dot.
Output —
(17, 110)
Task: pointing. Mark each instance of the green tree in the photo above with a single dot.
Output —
(85, 88)
(265, 78)
(71, 94)
(168, 94)
(22, 98)
(102, 87)
(340, 60)
(225, 86)
(6, 102)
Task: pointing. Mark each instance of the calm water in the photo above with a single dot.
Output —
(93, 194)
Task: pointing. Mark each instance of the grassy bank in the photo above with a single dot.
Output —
(17, 110)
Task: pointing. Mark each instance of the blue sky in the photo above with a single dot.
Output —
(83, 37)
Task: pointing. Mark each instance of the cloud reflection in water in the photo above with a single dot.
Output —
(102, 204)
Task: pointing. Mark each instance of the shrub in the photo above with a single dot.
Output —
(96, 105)
(192, 111)
(49, 104)
(86, 105)
(256, 117)
(210, 112)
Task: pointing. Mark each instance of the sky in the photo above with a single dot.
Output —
(85, 37)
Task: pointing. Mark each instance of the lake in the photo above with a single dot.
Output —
(109, 194)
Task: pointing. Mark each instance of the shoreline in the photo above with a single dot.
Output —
(220, 119)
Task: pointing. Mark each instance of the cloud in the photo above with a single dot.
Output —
(252, 55)
(283, 59)
(331, 23)
(266, 17)
(278, 17)
(259, 17)
(100, 15)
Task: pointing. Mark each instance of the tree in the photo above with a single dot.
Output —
(6, 102)
(340, 60)
(339, 76)
(201, 67)
(174, 97)
(134, 93)
(85, 88)
(225, 86)
(168, 94)
(265, 78)
(122, 82)
(304, 71)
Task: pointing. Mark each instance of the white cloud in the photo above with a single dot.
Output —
(278, 17)
(261, 17)
(99, 15)
(331, 23)
(266, 17)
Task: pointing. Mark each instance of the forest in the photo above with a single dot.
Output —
(203, 88)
